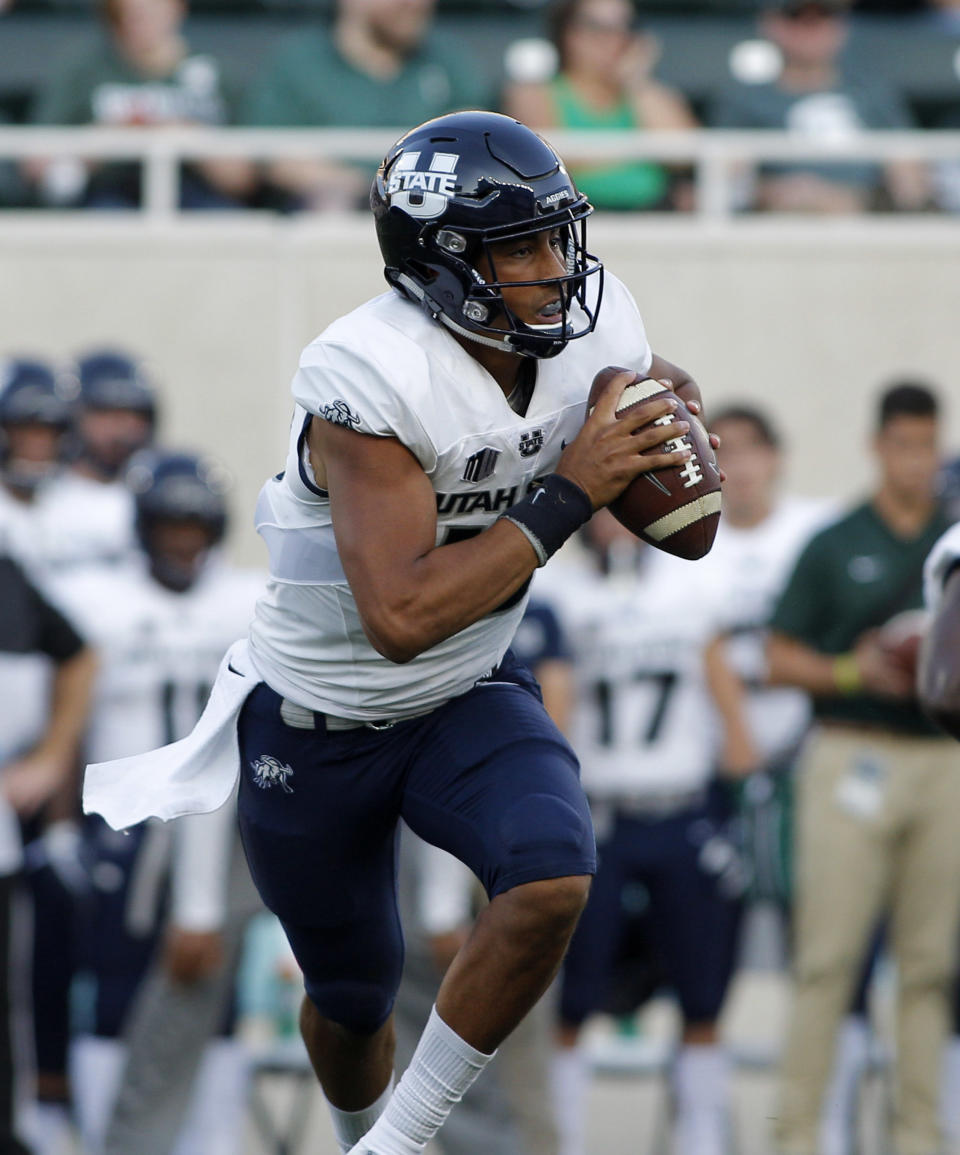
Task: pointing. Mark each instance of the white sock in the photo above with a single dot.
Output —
(701, 1080)
(48, 1129)
(441, 1071)
(840, 1101)
(350, 1126)
(950, 1091)
(568, 1087)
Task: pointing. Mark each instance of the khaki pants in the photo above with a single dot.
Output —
(878, 833)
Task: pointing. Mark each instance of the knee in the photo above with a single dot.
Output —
(551, 905)
(919, 971)
(349, 1008)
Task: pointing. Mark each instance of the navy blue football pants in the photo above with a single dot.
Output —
(487, 777)
(694, 913)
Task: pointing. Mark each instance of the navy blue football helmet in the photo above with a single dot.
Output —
(30, 393)
(454, 185)
(177, 487)
(109, 379)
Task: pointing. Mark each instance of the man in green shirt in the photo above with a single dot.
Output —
(878, 790)
(140, 72)
(378, 66)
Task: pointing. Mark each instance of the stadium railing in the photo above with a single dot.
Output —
(716, 157)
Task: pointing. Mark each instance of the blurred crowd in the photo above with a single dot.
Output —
(594, 66)
(750, 743)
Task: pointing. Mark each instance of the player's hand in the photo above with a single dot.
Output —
(880, 673)
(739, 759)
(609, 452)
(192, 956)
(31, 781)
(689, 394)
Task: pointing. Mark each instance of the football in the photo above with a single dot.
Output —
(676, 509)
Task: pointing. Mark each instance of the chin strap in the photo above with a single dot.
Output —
(505, 344)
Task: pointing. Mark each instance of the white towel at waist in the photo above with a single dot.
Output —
(192, 776)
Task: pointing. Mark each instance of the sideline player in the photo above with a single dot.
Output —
(637, 622)
(161, 625)
(438, 456)
(35, 415)
(59, 518)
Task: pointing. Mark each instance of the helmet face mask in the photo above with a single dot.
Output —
(456, 186)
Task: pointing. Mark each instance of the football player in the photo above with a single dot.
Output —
(638, 621)
(56, 519)
(438, 456)
(46, 676)
(116, 413)
(761, 727)
(34, 417)
(161, 626)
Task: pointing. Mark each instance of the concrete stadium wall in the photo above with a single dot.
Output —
(808, 319)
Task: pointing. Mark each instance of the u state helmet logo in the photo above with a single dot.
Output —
(423, 192)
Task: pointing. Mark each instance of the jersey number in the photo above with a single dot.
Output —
(604, 692)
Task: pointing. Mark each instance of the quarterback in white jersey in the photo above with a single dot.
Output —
(160, 625)
(439, 454)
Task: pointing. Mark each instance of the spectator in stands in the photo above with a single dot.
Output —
(377, 66)
(877, 792)
(604, 80)
(141, 73)
(816, 99)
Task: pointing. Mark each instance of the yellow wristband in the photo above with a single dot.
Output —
(846, 674)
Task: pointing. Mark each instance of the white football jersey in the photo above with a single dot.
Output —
(386, 369)
(72, 521)
(750, 566)
(640, 724)
(159, 651)
(940, 560)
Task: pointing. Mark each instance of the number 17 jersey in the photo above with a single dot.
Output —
(642, 723)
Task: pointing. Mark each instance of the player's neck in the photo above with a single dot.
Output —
(503, 367)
